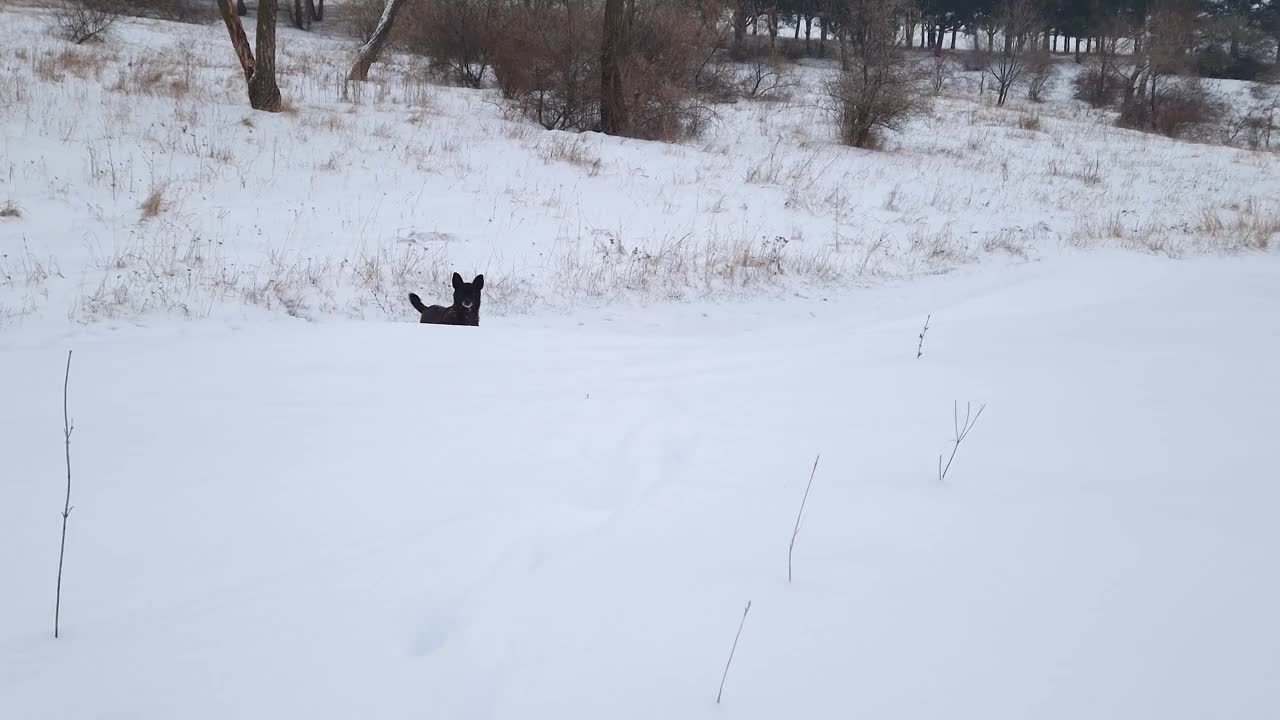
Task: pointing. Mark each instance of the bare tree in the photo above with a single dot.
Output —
(260, 72)
(303, 13)
(1017, 18)
(613, 102)
(369, 52)
(81, 21)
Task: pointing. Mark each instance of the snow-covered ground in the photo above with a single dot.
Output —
(562, 513)
(541, 519)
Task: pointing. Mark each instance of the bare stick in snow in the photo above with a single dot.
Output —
(732, 650)
(961, 430)
(67, 427)
(920, 347)
(796, 531)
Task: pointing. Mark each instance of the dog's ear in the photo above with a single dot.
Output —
(416, 302)
(478, 282)
(457, 281)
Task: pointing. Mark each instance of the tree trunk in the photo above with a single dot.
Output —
(844, 48)
(954, 31)
(370, 51)
(822, 37)
(797, 34)
(318, 12)
(773, 28)
(301, 17)
(241, 10)
(739, 27)
(264, 94)
(239, 41)
(613, 100)
(808, 32)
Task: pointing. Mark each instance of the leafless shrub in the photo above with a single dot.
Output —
(766, 78)
(548, 68)
(1029, 122)
(1040, 76)
(548, 64)
(879, 88)
(664, 57)
(185, 11)
(1097, 86)
(942, 73)
(10, 210)
(81, 21)
(1175, 107)
(1255, 125)
(973, 60)
(459, 35)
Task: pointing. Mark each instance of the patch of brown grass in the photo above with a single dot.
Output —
(153, 205)
(56, 66)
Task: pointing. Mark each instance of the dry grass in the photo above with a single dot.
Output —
(10, 211)
(155, 76)
(1250, 228)
(57, 65)
(572, 149)
(677, 268)
(154, 204)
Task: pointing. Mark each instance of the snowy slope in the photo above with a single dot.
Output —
(362, 193)
(563, 517)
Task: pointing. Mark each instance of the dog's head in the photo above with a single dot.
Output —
(466, 295)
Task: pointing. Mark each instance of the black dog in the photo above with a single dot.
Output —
(465, 309)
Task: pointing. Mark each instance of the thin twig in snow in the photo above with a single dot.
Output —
(961, 430)
(67, 427)
(732, 650)
(800, 514)
(920, 347)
